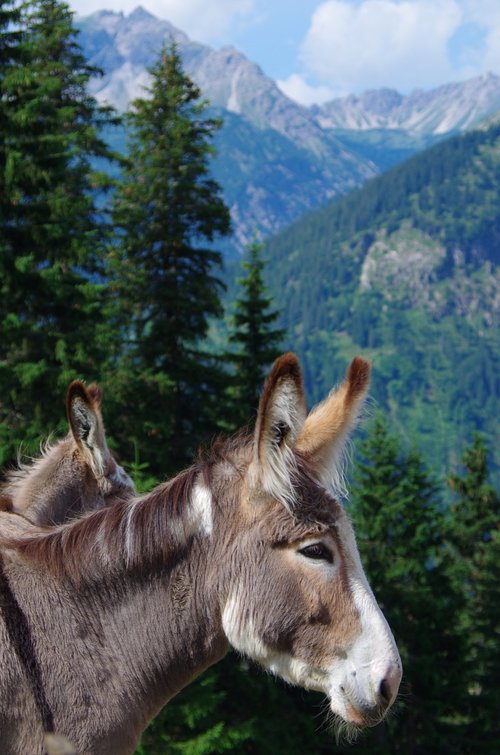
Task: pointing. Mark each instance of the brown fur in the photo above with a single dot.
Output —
(327, 426)
(74, 475)
(119, 610)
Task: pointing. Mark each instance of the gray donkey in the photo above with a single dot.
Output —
(104, 619)
(74, 475)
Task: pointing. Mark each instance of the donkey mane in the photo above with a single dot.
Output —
(129, 533)
(153, 528)
(16, 477)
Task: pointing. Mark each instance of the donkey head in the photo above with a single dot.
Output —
(75, 475)
(296, 599)
(83, 409)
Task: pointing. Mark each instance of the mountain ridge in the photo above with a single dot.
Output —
(298, 159)
(455, 106)
(422, 111)
(277, 159)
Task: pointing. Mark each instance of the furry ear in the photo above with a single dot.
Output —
(280, 419)
(329, 425)
(86, 424)
(95, 393)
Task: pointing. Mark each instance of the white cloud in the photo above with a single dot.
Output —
(202, 20)
(381, 43)
(486, 14)
(296, 87)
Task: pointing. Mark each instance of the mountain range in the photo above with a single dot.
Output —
(277, 159)
(402, 267)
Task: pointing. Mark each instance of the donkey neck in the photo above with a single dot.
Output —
(132, 594)
(160, 628)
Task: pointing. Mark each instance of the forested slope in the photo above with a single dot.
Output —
(405, 270)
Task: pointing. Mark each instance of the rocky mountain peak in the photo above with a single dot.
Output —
(140, 14)
(450, 107)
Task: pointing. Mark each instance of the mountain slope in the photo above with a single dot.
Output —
(405, 270)
(277, 159)
(267, 143)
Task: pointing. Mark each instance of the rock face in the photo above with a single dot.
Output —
(402, 265)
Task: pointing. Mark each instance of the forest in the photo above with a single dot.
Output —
(110, 272)
(406, 268)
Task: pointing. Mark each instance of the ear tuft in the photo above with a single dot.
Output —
(86, 425)
(76, 389)
(358, 379)
(285, 371)
(327, 429)
(279, 420)
(287, 364)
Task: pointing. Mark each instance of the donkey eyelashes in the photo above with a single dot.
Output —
(317, 552)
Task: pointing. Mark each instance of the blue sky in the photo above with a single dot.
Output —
(319, 49)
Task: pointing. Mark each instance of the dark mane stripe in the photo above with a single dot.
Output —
(19, 632)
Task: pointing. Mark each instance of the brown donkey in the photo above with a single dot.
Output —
(74, 475)
(105, 619)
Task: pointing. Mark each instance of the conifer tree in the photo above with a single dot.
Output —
(398, 519)
(168, 211)
(51, 235)
(254, 336)
(474, 539)
(10, 37)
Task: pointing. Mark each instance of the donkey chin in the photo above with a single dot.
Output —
(358, 699)
(360, 703)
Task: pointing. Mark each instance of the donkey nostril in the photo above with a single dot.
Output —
(384, 691)
(388, 687)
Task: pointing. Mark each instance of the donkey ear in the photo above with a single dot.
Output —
(95, 393)
(280, 419)
(329, 425)
(86, 424)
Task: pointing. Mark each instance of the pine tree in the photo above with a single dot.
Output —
(474, 539)
(256, 340)
(398, 518)
(10, 37)
(50, 230)
(168, 211)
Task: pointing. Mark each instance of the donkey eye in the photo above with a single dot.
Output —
(317, 551)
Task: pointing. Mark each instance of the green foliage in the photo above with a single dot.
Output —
(164, 280)
(236, 707)
(474, 539)
(139, 470)
(405, 269)
(398, 517)
(196, 723)
(51, 240)
(253, 336)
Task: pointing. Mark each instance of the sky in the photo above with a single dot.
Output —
(320, 49)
